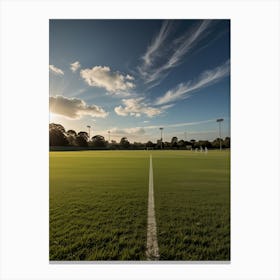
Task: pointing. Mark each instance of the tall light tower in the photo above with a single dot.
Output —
(219, 121)
(109, 134)
(161, 129)
(88, 126)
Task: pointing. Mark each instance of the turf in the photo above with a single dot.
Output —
(98, 205)
(192, 201)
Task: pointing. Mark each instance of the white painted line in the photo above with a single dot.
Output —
(152, 244)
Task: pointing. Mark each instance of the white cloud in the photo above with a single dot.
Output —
(74, 108)
(183, 90)
(128, 77)
(103, 77)
(136, 107)
(56, 70)
(75, 66)
(160, 57)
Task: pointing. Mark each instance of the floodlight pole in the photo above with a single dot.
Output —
(219, 121)
(109, 134)
(161, 129)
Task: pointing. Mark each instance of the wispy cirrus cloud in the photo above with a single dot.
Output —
(161, 57)
(126, 131)
(140, 130)
(75, 66)
(153, 48)
(183, 90)
(56, 70)
(74, 108)
(104, 77)
(179, 124)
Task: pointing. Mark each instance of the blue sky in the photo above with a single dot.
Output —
(131, 77)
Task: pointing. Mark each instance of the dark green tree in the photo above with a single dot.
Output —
(98, 141)
(57, 135)
(124, 143)
(71, 137)
(82, 139)
(181, 144)
(227, 142)
(149, 144)
(174, 142)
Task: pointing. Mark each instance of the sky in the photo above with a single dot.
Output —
(131, 77)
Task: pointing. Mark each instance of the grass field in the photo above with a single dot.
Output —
(192, 200)
(98, 205)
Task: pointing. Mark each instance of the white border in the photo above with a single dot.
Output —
(254, 115)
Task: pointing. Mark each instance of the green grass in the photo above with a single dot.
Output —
(98, 205)
(192, 201)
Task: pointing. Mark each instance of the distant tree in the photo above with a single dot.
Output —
(216, 143)
(124, 143)
(149, 144)
(114, 145)
(82, 139)
(174, 142)
(72, 132)
(57, 138)
(203, 144)
(84, 135)
(167, 145)
(207, 144)
(57, 135)
(98, 141)
(181, 144)
(81, 142)
(138, 146)
(71, 137)
(159, 145)
(57, 127)
(227, 142)
(193, 142)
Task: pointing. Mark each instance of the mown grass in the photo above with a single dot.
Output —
(192, 204)
(98, 205)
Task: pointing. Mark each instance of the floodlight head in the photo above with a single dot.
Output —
(88, 126)
(161, 128)
(220, 120)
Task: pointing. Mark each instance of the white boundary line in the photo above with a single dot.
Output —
(152, 244)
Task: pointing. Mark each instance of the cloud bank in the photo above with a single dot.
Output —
(183, 90)
(136, 107)
(74, 108)
(103, 77)
(56, 70)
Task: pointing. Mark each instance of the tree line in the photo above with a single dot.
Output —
(58, 136)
